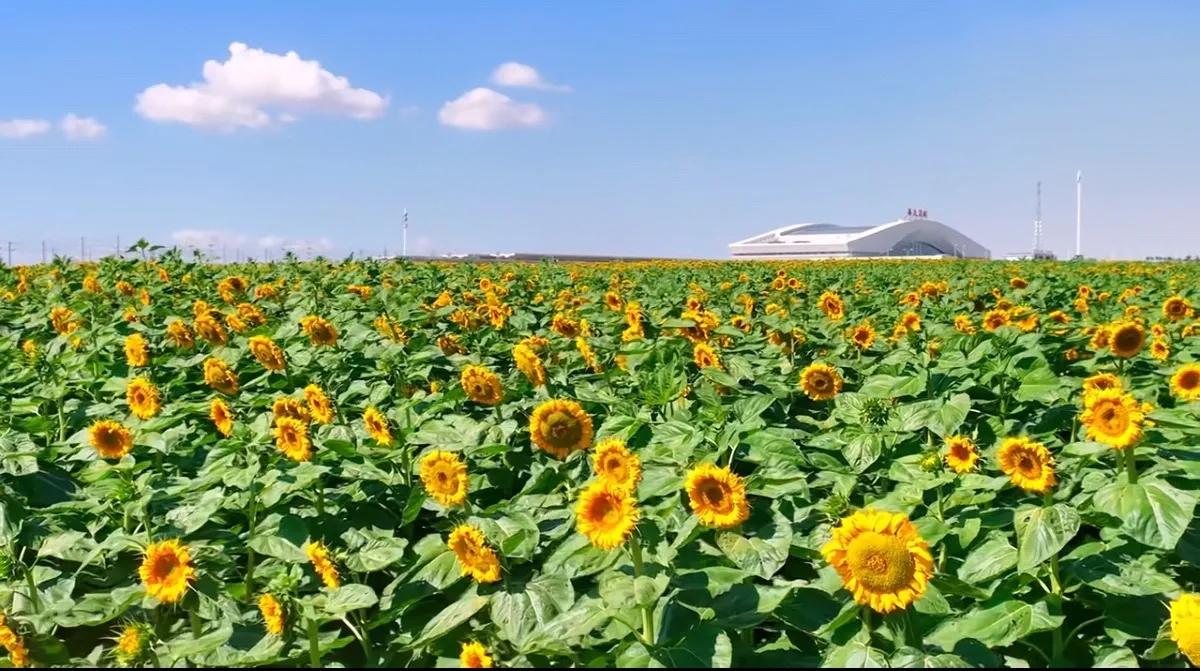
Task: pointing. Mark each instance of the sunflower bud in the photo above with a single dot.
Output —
(931, 462)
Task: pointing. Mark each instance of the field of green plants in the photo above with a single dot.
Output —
(679, 464)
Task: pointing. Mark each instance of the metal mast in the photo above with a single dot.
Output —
(404, 251)
(1037, 223)
(1079, 213)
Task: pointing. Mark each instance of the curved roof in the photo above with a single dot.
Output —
(903, 237)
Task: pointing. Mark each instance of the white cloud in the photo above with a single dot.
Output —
(485, 109)
(256, 88)
(82, 128)
(23, 128)
(521, 75)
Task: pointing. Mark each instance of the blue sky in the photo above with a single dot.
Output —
(686, 126)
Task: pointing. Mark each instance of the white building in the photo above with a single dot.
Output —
(910, 237)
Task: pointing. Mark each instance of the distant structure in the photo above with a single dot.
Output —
(1038, 253)
(913, 236)
(1079, 214)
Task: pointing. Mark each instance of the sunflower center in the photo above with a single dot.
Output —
(1190, 380)
(715, 496)
(882, 563)
(109, 440)
(820, 382)
(1127, 339)
(165, 565)
(1028, 467)
(1112, 420)
(615, 468)
(563, 430)
(960, 452)
(605, 511)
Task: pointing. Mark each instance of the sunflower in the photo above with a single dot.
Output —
(1017, 282)
(717, 496)
(63, 320)
(820, 381)
(137, 352)
(863, 336)
(445, 477)
(318, 555)
(1126, 338)
(911, 322)
(705, 356)
(1100, 382)
(286, 406)
(481, 385)
(607, 515)
(1185, 383)
(560, 427)
(319, 407)
(18, 654)
(530, 364)
(166, 570)
(220, 376)
(615, 465)
(994, 319)
(209, 328)
(1176, 308)
(131, 643)
(450, 344)
(1185, 625)
(961, 454)
(320, 331)
(377, 426)
(222, 416)
(1113, 418)
(474, 656)
(267, 352)
(477, 559)
(111, 439)
(1101, 337)
(142, 397)
(291, 437)
(180, 334)
(1159, 349)
(962, 324)
(272, 614)
(1027, 463)
(831, 304)
(882, 559)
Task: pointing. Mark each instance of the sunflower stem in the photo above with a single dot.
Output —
(635, 551)
(320, 486)
(1131, 466)
(314, 651)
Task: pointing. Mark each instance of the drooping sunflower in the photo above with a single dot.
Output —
(319, 407)
(272, 614)
(717, 496)
(180, 334)
(445, 477)
(291, 437)
(474, 556)
(286, 406)
(1027, 463)
(377, 426)
(1185, 383)
(820, 381)
(1113, 418)
(1185, 626)
(833, 307)
(607, 515)
(911, 322)
(267, 352)
(1126, 339)
(318, 556)
(1101, 336)
(220, 376)
(208, 326)
(530, 364)
(166, 570)
(882, 559)
(705, 356)
(1099, 382)
(63, 320)
(137, 351)
(474, 656)
(961, 454)
(450, 344)
(560, 427)
(1176, 308)
(614, 464)
(320, 331)
(142, 398)
(994, 319)
(863, 336)
(481, 385)
(222, 416)
(111, 439)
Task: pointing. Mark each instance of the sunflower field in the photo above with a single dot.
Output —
(654, 464)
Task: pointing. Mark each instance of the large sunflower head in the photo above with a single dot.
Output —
(717, 496)
(882, 559)
(1112, 417)
(820, 381)
(445, 477)
(180, 334)
(291, 437)
(1126, 339)
(267, 352)
(111, 439)
(377, 426)
(318, 556)
(273, 614)
(474, 556)
(319, 407)
(705, 356)
(137, 352)
(220, 376)
(166, 570)
(863, 336)
(320, 331)
(1185, 626)
(1176, 308)
(560, 427)
(222, 416)
(1027, 463)
(607, 515)
(474, 656)
(614, 464)
(961, 454)
(1185, 383)
(142, 397)
(481, 385)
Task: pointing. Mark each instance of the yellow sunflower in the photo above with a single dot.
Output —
(1185, 383)
(445, 477)
(142, 397)
(1027, 463)
(530, 364)
(111, 439)
(318, 555)
(222, 416)
(18, 654)
(131, 643)
(180, 334)
(1159, 349)
(1126, 339)
(831, 304)
(607, 515)
(286, 406)
(1099, 382)
(717, 496)
(209, 328)
(220, 376)
(474, 556)
(137, 352)
(820, 381)
(1185, 626)
(291, 437)
(911, 322)
(962, 324)
(1176, 308)
(994, 319)
(377, 426)
(474, 656)
(560, 427)
(481, 385)
(705, 356)
(1113, 418)
(267, 352)
(615, 465)
(863, 336)
(319, 407)
(882, 559)
(320, 331)
(450, 344)
(961, 454)
(272, 614)
(166, 570)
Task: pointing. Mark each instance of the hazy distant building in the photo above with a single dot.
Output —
(914, 236)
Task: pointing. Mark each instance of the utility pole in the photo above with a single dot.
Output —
(43, 251)
(1079, 213)
(82, 249)
(10, 246)
(404, 253)
(120, 254)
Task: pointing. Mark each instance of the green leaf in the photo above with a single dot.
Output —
(1042, 532)
(991, 560)
(1152, 512)
(854, 655)
(706, 646)
(518, 614)
(1040, 385)
(275, 546)
(951, 415)
(350, 597)
(451, 616)
(1000, 625)
(762, 553)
